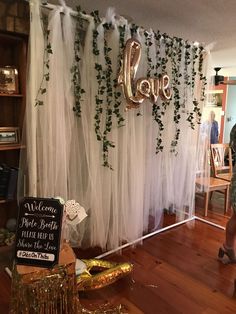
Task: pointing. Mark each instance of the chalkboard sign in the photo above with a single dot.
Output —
(38, 232)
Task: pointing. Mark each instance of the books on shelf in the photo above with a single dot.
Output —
(4, 178)
(12, 184)
(8, 182)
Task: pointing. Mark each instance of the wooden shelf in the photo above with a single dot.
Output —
(13, 52)
(2, 201)
(12, 147)
(11, 95)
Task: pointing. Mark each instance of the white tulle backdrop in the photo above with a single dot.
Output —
(64, 158)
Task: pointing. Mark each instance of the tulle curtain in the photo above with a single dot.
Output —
(35, 72)
(64, 157)
(203, 171)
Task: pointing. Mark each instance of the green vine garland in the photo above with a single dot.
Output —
(158, 111)
(110, 89)
(76, 80)
(108, 99)
(148, 44)
(46, 66)
(203, 79)
(175, 54)
(187, 82)
(100, 78)
(117, 92)
(99, 101)
(106, 87)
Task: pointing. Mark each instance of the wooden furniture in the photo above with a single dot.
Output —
(221, 170)
(213, 184)
(13, 52)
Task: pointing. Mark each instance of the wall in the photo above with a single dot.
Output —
(14, 16)
(230, 110)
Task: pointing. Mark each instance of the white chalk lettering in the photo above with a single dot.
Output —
(23, 244)
(42, 235)
(39, 207)
(49, 247)
(28, 234)
(27, 223)
(52, 225)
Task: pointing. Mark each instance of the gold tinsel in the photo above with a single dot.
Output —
(55, 291)
(45, 293)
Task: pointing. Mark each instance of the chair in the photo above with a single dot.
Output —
(213, 184)
(221, 161)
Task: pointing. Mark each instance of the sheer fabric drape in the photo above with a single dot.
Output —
(203, 171)
(64, 157)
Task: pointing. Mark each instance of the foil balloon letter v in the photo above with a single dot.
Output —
(143, 88)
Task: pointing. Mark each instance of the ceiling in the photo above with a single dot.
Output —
(206, 21)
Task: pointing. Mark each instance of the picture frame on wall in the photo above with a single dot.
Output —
(9, 135)
(214, 98)
(9, 80)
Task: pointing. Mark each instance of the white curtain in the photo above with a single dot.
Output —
(28, 166)
(203, 172)
(65, 158)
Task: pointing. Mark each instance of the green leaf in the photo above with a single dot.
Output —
(39, 103)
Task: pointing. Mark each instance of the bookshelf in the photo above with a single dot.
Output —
(13, 52)
(11, 95)
(12, 147)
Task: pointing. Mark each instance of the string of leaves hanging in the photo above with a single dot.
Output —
(76, 79)
(178, 55)
(46, 62)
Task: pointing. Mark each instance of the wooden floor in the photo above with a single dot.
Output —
(215, 209)
(176, 271)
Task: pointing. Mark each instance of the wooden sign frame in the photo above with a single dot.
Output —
(38, 232)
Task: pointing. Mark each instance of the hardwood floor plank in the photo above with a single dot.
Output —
(195, 290)
(215, 210)
(202, 266)
(167, 291)
(210, 311)
(131, 308)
